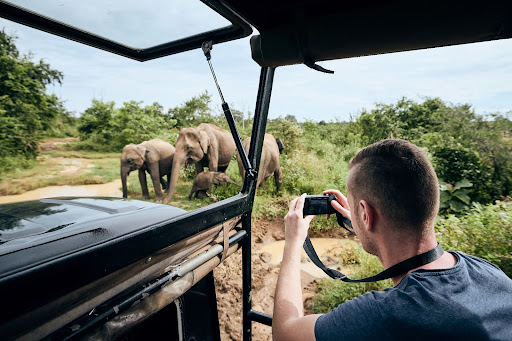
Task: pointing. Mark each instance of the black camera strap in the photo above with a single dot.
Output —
(396, 270)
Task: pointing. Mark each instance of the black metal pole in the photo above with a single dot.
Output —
(238, 140)
(258, 133)
(259, 125)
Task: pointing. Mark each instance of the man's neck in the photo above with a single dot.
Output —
(396, 249)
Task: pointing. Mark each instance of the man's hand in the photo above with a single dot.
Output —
(341, 203)
(289, 322)
(296, 225)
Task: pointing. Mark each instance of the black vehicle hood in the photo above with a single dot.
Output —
(27, 224)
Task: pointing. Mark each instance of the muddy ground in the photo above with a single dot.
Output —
(228, 281)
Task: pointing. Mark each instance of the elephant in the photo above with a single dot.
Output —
(205, 146)
(153, 156)
(269, 163)
(205, 180)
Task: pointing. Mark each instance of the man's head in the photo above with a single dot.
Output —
(396, 178)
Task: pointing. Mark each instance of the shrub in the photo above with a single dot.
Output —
(105, 128)
(455, 198)
(486, 232)
(454, 164)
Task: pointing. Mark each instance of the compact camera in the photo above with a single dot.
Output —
(319, 204)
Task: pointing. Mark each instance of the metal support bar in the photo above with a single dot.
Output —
(207, 47)
(258, 133)
(246, 278)
(259, 125)
(251, 172)
(262, 318)
(126, 300)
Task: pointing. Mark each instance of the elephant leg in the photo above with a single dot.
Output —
(168, 183)
(278, 178)
(223, 169)
(262, 183)
(163, 183)
(155, 177)
(199, 167)
(213, 163)
(143, 184)
(192, 192)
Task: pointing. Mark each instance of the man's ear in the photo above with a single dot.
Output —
(367, 215)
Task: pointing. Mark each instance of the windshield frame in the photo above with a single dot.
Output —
(239, 28)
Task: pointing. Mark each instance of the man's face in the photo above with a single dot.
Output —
(357, 213)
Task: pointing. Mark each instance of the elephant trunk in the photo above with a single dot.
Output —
(234, 183)
(175, 174)
(124, 174)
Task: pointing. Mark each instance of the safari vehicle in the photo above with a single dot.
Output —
(106, 268)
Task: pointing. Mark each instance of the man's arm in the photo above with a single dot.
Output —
(289, 322)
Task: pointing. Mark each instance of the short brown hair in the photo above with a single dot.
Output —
(397, 178)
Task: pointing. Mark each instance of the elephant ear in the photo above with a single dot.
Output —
(204, 141)
(219, 178)
(142, 151)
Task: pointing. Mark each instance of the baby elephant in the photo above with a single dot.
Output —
(205, 180)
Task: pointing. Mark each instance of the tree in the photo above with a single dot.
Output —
(463, 145)
(104, 127)
(27, 112)
(194, 111)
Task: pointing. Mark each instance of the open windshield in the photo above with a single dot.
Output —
(138, 24)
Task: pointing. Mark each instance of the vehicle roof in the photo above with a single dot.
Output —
(306, 31)
(294, 32)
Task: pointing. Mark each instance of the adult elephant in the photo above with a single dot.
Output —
(205, 146)
(269, 163)
(153, 156)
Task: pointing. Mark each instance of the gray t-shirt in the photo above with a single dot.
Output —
(470, 301)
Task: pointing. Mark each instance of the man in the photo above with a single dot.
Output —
(392, 200)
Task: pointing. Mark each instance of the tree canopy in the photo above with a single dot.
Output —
(27, 112)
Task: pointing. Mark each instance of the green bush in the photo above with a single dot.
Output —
(105, 128)
(485, 231)
(455, 198)
(454, 164)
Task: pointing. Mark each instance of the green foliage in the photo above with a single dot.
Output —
(288, 131)
(27, 112)
(455, 164)
(193, 112)
(406, 119)
(455, 199)
(463, 145)
(332, 293)
(103, 127)
(485, 231)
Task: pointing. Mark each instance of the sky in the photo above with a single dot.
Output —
(477, 74)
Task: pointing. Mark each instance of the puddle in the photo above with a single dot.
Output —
(111, 189)
(326, 248)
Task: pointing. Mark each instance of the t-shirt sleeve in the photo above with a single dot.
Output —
(357, 319)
